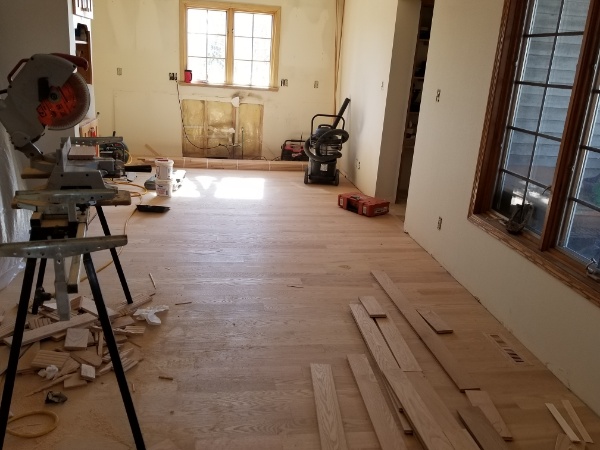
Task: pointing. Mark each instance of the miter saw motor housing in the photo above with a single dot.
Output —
(324, 147)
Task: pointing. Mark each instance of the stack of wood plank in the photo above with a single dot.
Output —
(77, 347)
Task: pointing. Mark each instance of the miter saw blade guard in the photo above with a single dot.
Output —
(44, 92)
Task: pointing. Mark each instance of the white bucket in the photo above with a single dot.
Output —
(164, 188)
(164, 169)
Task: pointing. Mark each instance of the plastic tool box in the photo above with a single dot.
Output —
(363, 204)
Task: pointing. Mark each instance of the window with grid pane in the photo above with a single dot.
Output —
(230, 44)
(541, 145)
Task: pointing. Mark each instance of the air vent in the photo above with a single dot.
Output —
(507, 349)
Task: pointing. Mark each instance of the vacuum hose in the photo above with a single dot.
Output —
(335, 135)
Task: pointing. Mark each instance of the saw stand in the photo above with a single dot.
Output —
(57, 249)
(58, 228)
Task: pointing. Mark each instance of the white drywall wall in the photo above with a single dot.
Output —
(401, 71)
(142, 38)
(556, 324)
(368, 38)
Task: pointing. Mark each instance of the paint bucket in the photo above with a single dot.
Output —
(164, 188)
(164, 169)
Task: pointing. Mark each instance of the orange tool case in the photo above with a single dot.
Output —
(363, 204)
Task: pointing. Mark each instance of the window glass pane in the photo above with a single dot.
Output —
(545, 16)
(537, 59)
(509, 194)
(544, 161)
(555, 111)
(216, 46)
(538, 198)
(197, 20)
(263, 25)
(529, 104)
(243, 24)
(217, 22)
(215, 70)
(564, 63)
(242, 48)
(242, 72)
(589, 188)
(520, 149)
(261, 49)
(198, 68)
(582, 233)
(196, 45)
(261, 73)
(574, 15)
(595, 138)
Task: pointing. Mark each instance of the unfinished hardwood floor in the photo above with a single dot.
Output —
(258, 271)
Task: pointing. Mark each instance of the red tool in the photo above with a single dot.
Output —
(363, 204)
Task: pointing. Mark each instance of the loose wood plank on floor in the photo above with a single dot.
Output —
(562, 422)
(77, 339)
(481, 429)
(331, 428)
(372, 306)
(428, 430)
(405, 357)
(381, 417)
(482, 400)
(577, 421)
(435, 321)
(460, 377)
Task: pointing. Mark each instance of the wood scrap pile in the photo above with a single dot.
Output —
(74, 352)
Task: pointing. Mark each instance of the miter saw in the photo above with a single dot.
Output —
(46, 92)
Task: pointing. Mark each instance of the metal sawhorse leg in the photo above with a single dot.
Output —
(59, 249)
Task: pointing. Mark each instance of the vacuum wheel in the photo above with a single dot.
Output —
(306, 175)
(336, 180)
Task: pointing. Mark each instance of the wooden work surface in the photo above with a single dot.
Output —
(258, 271)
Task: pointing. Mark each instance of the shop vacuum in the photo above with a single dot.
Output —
(324, 147)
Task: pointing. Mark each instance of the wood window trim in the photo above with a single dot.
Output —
(275, 11)
(538, 251)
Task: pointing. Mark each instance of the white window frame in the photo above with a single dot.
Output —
(231, 8)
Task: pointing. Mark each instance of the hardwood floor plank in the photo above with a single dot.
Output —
(381, 417)
(331, 427)
(483, 432)
(484, 402)
(563, 423)
(372, 306)
(577, 421)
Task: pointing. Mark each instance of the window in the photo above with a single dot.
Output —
(230, 44)
(539, 163)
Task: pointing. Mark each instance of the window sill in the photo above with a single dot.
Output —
(229, 86)
(562, 267)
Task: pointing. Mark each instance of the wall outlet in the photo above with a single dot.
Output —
(172, 76)
(437, 95)
(284, 82)
(357, 163)
(119, 71)
(316, 84)
(439, 225)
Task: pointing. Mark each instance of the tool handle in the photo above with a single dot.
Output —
(138, 168)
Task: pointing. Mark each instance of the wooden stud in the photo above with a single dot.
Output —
(562, 422)
(331, 428)
(483, 400)
(372, 306)
(381, 418)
